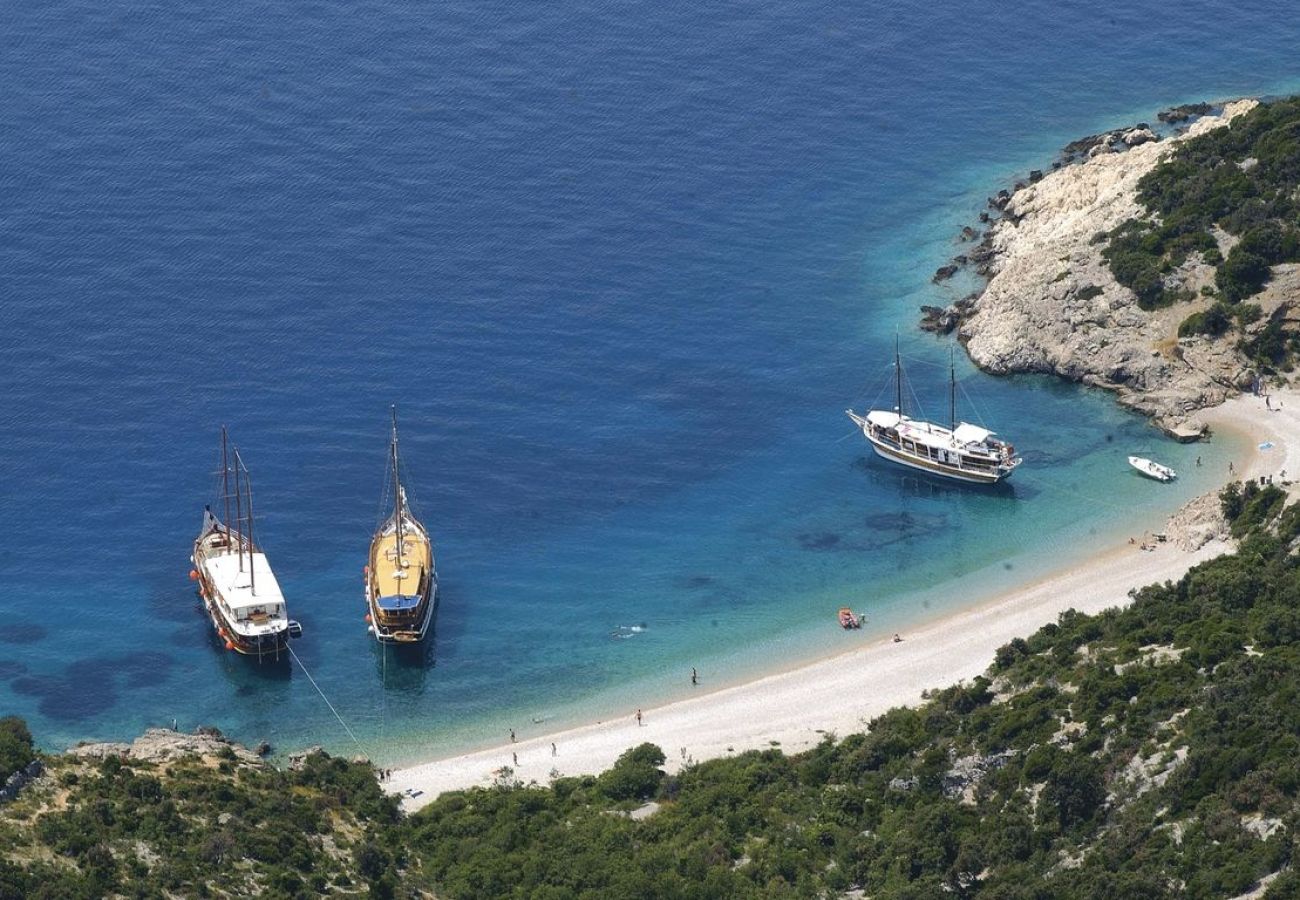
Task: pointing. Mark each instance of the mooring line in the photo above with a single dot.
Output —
(327, 701)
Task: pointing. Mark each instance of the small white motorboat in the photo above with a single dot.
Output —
(1152, 469)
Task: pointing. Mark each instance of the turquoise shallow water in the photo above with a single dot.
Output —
(622, 268)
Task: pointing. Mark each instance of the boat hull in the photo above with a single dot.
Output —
(270, 639)
(1152, 470)
(954, 473)
(387, 631)
(395, 616)
(273, 646)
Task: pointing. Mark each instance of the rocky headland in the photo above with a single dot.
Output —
(159, 745)
(1052, 305)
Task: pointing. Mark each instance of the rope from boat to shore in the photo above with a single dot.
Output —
(327, 702)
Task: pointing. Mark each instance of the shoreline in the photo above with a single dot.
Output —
(795, 708)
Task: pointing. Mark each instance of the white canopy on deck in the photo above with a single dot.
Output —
(883, 418)
(967, 433)
(236, 587)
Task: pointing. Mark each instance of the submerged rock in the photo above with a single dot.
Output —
(940, 319)
(943, 273)
(1177, 114)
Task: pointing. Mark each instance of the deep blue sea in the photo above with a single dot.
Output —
(621, 266)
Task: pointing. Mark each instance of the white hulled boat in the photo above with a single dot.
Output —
(235, 581)
(960, 451)
(1152, 469)
(401, 581)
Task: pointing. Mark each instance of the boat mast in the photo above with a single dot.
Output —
(952, 392)
(225, 481)
(898, 380)
(252, 569)
(239, 515)
(397, 490)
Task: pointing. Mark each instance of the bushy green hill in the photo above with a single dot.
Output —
(203, 827)
(1243, 181)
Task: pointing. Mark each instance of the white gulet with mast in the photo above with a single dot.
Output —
(235, 581)
(401, 582)
(961, 451)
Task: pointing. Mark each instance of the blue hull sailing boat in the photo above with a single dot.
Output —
(401, 581)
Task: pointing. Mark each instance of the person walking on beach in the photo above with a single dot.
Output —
(512, 735)
(552, 748)
(638, 718)
(695, 677)
(515, 757)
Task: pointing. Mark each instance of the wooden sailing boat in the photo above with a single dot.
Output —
(960, 451)
(234, 579)
(401, 582)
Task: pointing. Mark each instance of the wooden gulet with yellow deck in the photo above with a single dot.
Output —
(401, 581)
(960, 451)
(233, 578)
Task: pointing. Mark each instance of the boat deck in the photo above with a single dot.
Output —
(400, 574)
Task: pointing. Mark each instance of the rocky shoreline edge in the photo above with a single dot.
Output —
(1050, 304)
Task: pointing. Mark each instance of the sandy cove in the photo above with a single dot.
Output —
(795, 709)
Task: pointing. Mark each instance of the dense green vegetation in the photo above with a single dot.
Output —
(1148, 752)
(16, 749)
(199, 828)
(1242, 180)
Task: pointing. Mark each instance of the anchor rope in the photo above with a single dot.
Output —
(327, 701)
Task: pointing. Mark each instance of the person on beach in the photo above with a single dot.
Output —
(553, 753)
(695, 678)
(897, 638)
(638, 718)
(512, 735)
(1230, 469)
(1198, 462)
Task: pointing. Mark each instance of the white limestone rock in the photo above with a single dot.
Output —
(1052, 305)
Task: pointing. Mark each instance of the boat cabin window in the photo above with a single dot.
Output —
(269, 611)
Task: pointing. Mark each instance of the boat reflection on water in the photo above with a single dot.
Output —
(403, 668)
(262, 690)
(925, 486)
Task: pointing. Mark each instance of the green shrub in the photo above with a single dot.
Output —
(1241, 275)
(16, 748)
(1213, 321)
(635, 775)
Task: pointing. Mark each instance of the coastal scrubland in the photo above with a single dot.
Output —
(1152, 751)
(1228, 196)
(218, 825)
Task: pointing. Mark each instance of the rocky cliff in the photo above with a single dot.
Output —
(1052, 305)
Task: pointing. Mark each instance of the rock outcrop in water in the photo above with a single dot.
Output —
(1052, 305)
(164, 745)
